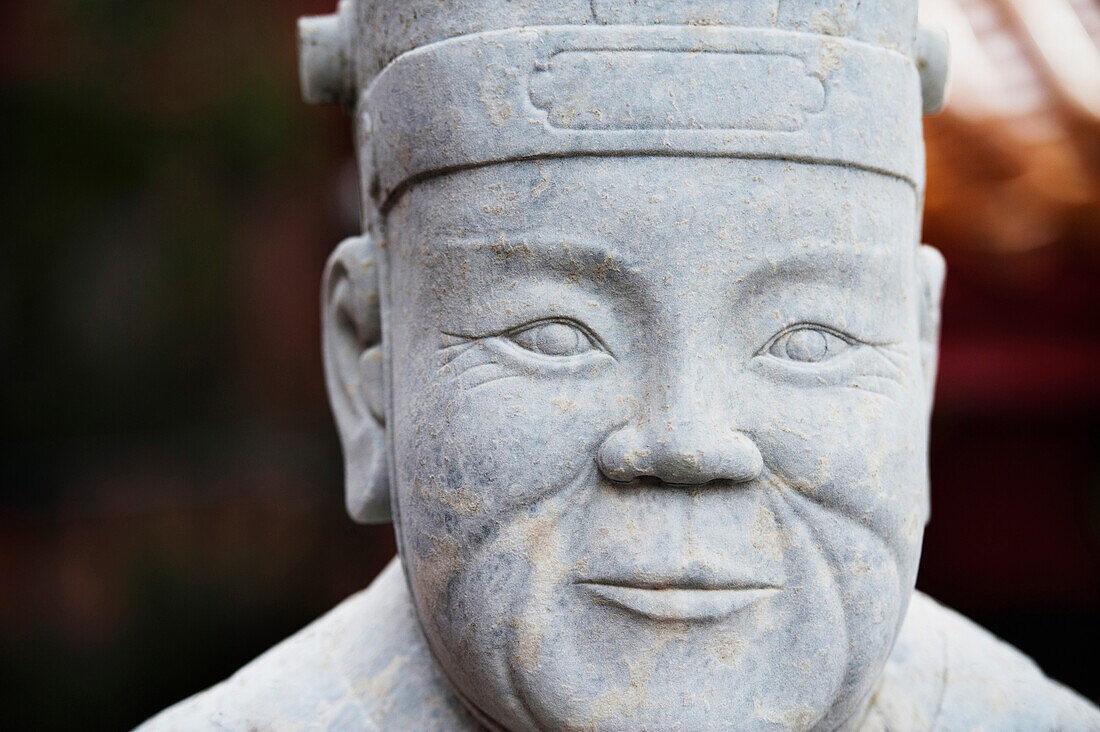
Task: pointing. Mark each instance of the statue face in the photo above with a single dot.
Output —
(658, 430)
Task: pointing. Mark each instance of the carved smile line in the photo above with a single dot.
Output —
(679, 602)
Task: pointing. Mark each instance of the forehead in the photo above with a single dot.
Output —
(646, 208)
(672, 201)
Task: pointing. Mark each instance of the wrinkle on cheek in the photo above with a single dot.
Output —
(468, 366)
(538, 540)
(891, 375)
(433, 570)
(767, 534)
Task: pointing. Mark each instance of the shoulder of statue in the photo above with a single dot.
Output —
(364, 665)
(946, 672)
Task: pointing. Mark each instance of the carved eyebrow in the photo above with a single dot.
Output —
(582, 257)
(819, 259)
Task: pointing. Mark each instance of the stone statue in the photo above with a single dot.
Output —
(637, 352)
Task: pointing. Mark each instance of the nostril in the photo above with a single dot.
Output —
(623, 457)
(742, 460)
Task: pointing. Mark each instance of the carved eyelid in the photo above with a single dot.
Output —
(587, 332)
(807, 325)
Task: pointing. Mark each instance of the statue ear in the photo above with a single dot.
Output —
(932, 270)
(352, 339)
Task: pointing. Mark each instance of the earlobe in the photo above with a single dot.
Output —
(932, 271)
(352, 337)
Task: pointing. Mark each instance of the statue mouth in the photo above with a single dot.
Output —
(679, 602)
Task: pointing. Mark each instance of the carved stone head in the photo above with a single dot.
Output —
(637, 348)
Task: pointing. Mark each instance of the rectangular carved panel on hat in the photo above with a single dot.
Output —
(656, 89)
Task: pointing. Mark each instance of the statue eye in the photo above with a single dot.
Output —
(808, 344)
(559, 338)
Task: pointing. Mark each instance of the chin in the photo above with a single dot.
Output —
(573, 664)
(680, 675)
(603, 668)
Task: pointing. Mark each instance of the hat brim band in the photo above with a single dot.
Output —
(647, 90)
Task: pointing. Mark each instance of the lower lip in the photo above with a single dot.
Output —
(679, 604)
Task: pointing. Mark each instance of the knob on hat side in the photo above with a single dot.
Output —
(933, 61)
(325, 57)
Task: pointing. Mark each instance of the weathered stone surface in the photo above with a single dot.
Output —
(638, 351)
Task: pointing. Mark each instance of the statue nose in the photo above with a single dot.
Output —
(680, 453)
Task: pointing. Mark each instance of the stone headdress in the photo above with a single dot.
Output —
(442, 86)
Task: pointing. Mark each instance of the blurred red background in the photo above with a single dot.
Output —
(170, 483)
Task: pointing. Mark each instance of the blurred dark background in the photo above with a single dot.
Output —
(170, 482)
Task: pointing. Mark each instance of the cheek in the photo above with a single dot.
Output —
(506, 443)
(474, 453)
(859, 454)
